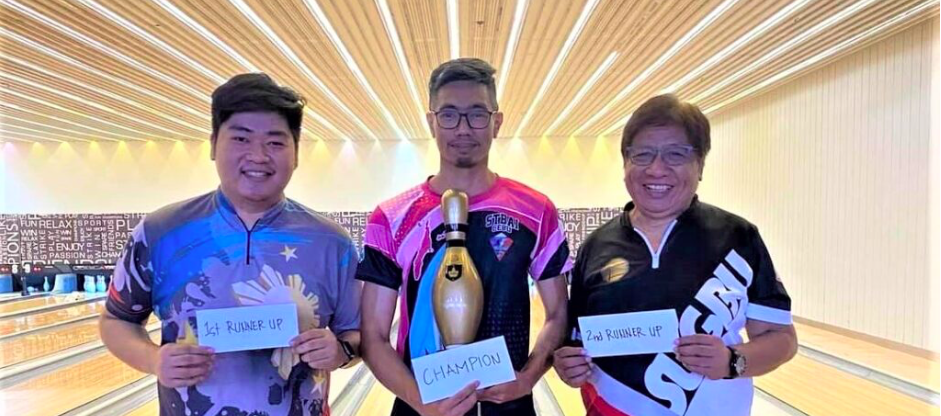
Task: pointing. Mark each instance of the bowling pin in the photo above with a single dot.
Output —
(457, 294)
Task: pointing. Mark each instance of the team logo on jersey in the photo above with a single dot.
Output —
(502, 223)
(614, 270)
(501, 244)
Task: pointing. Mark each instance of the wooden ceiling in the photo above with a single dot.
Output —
(86, 70)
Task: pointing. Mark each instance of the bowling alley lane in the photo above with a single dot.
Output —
(39, 305)
(27, 322)
(31, 303)
(28, 347)
(62, 390)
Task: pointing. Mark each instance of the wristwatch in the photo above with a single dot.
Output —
(348, 351)
(737, 364)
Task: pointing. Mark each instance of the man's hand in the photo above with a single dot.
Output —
(320, 349)
(704, 354)
(456, 405)
(183, 365)
(502, 393)
(573, 365)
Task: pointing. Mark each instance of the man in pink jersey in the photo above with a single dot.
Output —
(514, 232)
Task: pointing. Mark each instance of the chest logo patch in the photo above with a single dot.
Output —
(501, 223)
(615, 270)
(501, 244)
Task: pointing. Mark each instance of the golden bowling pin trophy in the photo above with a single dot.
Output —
(457, 295)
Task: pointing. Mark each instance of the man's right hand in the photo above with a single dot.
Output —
(181, 365)
(456, 405)
(573, 365)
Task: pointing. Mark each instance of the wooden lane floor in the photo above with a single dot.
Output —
(817, 389)
(69, 387)
(920, 371)
(46, 304)
(31, 303)
(28, 322)
(28, 347)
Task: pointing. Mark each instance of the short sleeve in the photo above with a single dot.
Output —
(129, 295)
(767, 299)
(577, 301)
(346, 316)
(551, 257)
(378, 265)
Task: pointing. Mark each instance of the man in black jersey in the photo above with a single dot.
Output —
(669, 251)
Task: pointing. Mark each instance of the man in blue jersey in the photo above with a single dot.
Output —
(243, 244)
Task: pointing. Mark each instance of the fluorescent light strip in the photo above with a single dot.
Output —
(6, 136)
(66, 110)
(454, 28)
(559, 60)
(22, 120)
(101, 47)
(104, 75)
(826, 54)
(32, 130)
(389, 24)
(106, 109)
(33, 136)
(62, 120)
(515, 30)
(209, 37)
(781, 49)
(108, 94)
(662, 60)
(599, 72)
(327, 27)
(288, 53)
(206, 34)
(759, 30)
(124, 23)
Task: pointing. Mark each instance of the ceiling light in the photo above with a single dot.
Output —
(101, 47)
(734, 46)
(302, 67)
(206, 34)
(50, 52)
(105, 93)
(325, 24)
(515, 30)
(826, 53)
(454, 28)
(761, 62)
(674, 49)
(599, 72)
(559, 60)
(85, 101)
(389, 24)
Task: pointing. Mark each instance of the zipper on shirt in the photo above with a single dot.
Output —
(655, 255)
(248, 239)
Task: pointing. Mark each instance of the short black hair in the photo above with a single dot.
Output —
(257, 92)
(463, 69)
(668, 110)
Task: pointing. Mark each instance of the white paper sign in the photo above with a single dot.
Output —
(629, 333)
(248, 327)
(444, 373)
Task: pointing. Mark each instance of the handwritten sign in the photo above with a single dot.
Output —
(247, 328)
(629, 333)
(444, 373)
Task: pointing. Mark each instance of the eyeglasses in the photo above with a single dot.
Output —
(476, 119)
(672, 155)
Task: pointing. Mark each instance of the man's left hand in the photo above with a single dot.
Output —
(320, 349)
(502, 393)
(704, 354)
